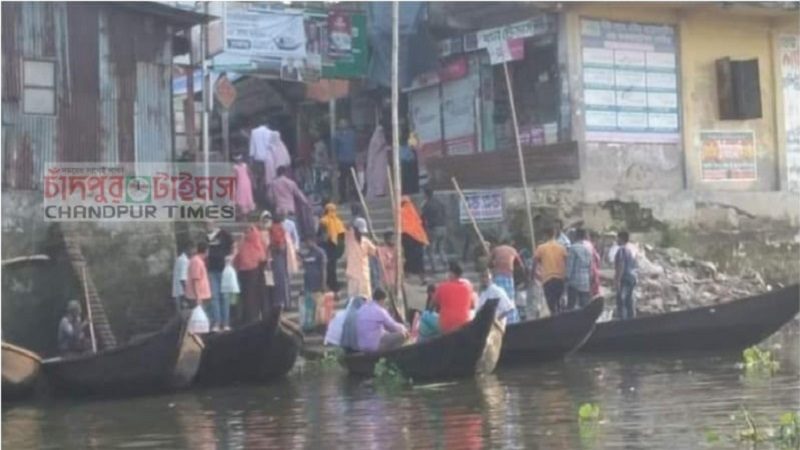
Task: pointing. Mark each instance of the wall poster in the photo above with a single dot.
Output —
(426, 120)
(728, 155)
(789, 51)
(630, 82)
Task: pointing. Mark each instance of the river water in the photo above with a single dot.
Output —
(663, 402)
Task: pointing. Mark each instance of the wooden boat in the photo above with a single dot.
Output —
(550, 338)
(735, 325)
(20, 371)
(257, 352)
(473, 348)
(162, 361)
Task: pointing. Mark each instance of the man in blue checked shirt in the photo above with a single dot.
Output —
(579, 269)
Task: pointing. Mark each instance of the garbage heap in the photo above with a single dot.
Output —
(671, 280)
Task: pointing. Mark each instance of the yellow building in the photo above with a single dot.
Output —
(622, 60)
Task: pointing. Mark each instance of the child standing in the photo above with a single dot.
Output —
(244, 187)
(314, 267)
(230, 292)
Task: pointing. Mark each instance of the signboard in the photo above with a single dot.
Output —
(426, 119)
(728, 155)
(486, 206)
(340, 40)
(225, 92)
(630, 82)
(259, 32)
(789, 50)
(495, 39)
(458, 115)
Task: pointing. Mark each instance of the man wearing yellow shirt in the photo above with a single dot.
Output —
(550, 262)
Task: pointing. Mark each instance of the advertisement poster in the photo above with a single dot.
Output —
(486, 206)
(342, 52)
(340, 34)
(458, 110)
(424, 108)
(630, 84)
(790, 79)
(728, 155)
(261, 33)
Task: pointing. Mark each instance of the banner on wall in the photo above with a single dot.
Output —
(630, 87)
(789, 50)
(486, 206)
(259, 32)
(728, 155)
(458, 115)
(424, 108)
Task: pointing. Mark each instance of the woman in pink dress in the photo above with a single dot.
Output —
(244, 188)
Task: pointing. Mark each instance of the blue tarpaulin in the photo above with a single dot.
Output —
(424, 56)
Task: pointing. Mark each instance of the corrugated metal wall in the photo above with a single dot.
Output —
(113, 86)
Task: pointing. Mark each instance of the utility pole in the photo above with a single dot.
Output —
(398, 191)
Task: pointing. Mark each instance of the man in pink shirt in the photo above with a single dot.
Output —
(284, 192)
(375, 328)
(197, 287)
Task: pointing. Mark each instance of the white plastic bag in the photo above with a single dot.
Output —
(198, 322)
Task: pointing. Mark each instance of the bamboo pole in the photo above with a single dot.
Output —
(471, 217)
(398, 231)
(88, 309)
(521, 159)
(364, 206)
(25, 259)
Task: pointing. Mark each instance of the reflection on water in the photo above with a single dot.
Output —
(645, 403)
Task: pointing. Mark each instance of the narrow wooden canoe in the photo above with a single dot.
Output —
(257, 352)
(550, 338)
(473, 348)
(20, 371)
(735, 325)
(162, 361)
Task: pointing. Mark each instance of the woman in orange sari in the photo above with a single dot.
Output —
(414, 238)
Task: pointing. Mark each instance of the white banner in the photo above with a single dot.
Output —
(486, 206)
(258, 32)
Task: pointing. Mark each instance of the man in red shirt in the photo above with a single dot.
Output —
(455, 299)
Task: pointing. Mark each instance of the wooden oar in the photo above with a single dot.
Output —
(88, 309)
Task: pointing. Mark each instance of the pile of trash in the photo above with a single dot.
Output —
(671, 280)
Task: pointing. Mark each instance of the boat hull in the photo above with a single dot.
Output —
(551, 338)
(731, 326)
(163, 361)
(21, 369)
(474, 348)
(255, 353)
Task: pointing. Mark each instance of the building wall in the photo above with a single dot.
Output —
(113, 85)
(704, 33)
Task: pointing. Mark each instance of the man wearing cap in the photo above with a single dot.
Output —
(72, 330)
(358, 249)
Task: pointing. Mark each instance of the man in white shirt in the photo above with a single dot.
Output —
(180, 273)
(505, 308)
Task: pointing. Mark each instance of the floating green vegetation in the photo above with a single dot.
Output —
(785, 433)
(389, 376)
(589, 412)
(758, 360)
(330, 359)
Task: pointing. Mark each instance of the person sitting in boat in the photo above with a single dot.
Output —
(506, 309)
(72, 330)
(376, 329)
(455, 299)
(429, 319)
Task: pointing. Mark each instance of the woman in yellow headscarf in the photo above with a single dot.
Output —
(414, 238)
(331, 236)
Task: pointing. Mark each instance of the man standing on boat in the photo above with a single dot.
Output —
(549, 263)
(72, 330)
(376, 329)
(503, 259)
(579, 272)
(625, 276)
(220, 245)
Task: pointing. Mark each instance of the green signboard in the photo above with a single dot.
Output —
(340, 38)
